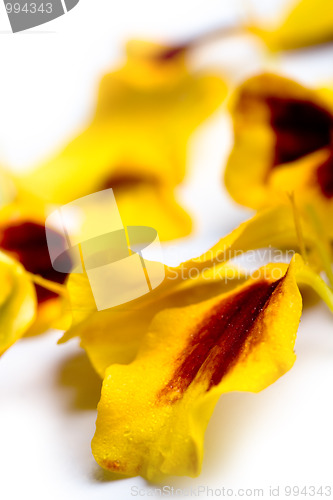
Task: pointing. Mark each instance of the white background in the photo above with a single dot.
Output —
(48, 393)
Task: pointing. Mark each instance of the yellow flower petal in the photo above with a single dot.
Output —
(17, 302)
(114, 335)
(282, 144)
(309, 22)
(152, 205)
(153, 413)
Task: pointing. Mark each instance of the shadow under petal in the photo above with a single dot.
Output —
(101, 475)
(231, 421)
(78, 376)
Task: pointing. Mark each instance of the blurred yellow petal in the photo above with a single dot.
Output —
(17, 302)
(311, 178)
(149, 65)
(153, 413)
(282, 144)
(309, 22)
(145, 115)
(152, 205)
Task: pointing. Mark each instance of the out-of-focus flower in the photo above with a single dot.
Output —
(283, 144)
(17, 302)
(22, 237)
(309, 22)
(137, 142)
(242, 340)
(114, 335)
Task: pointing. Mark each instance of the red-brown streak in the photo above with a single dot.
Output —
(325, 176)
(27, 241)
(170, 53)
(301, 127)
(118, 182)
(218, 342)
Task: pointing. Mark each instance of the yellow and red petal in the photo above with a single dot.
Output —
(242, 340)
(152, 205)
(114, 335)
(278, 125)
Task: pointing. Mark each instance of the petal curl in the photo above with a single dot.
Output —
(17, 302)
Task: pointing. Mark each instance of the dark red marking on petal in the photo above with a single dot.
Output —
(301, 127)
(325, 177)
(27, 241)
(113, 465)
(171, 53)
(218, 342)
(118, 182)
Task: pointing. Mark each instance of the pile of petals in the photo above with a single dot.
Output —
(208, 328)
